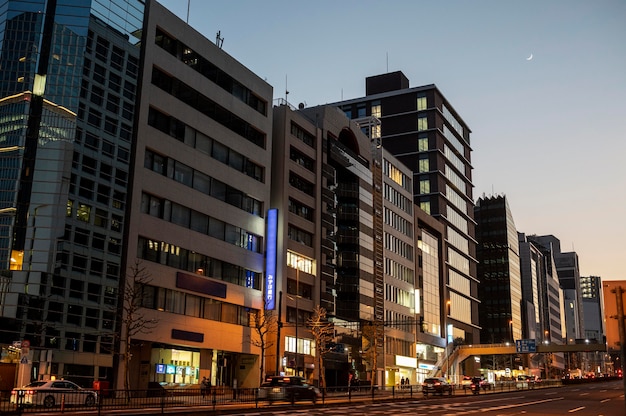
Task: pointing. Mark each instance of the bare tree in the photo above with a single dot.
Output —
(264, 322)
(133, 320)
(323, 333)
(370, 334)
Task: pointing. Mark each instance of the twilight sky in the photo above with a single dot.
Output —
(549, 133)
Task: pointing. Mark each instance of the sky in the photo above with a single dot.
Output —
(547, 132)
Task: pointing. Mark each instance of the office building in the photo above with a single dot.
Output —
(68, 93)
(500, 288)
(322, 193)
(199, 208)
(542, 301)
(424, 132)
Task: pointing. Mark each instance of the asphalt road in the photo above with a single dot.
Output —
(594, 399)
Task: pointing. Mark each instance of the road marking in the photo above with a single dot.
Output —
(577, 409)
(584, 394)
(605, 400)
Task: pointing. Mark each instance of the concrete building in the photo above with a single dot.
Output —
(613, 295)
(68, 93)
(543, 296)
(199, 207)
(423, 131)
(322, 189)
(568, 272)
(594, 331)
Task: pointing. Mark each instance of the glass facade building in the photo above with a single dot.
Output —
(68, 90)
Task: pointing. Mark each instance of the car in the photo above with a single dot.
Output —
(291, 388)
(466, 382)
(527, 381)
(52, 393)
(436, 385)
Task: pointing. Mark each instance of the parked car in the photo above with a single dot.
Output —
(52, 393)
(436, 385)
(289, 388)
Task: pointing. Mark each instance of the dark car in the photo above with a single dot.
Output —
(289, 388)
(436, 385)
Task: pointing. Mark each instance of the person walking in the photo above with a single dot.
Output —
(203, 387)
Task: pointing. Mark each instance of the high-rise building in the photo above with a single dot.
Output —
(542, 302)
(68, 93)
(568, 271)
(594, 331)
(500, 288)
(424, 132)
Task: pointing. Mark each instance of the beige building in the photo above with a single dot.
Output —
(199, 201)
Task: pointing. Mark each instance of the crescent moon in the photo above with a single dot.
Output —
(530, 57)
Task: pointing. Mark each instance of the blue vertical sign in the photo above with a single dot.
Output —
(270, 259)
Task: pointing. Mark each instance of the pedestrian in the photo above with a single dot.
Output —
(203, 387)
(402, 382)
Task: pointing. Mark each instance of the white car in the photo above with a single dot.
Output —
(53, 393)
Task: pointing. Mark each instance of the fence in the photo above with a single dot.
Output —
(161, 399)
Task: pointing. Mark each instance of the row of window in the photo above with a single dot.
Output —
(208, 107)
(209, 70)
(301, 159)
(398, 223)
(458, 240)
(453, 177)
(401, 347)
(201, 182)
(207, 145)
(396, 198)
(301, 236)
(181, 303)
(197, 221)
(303, 135)
(104, 146)
(101, 218)
(399, 271)
(117, 55)
(180, 258)
(398, 296)
(396, 175)
(89, 189)
(82, 265)
(300, 209)
(399, 247)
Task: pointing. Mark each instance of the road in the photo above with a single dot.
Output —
(595, 399)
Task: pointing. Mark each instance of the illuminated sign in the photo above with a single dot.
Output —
(160, 368)
(270, 260)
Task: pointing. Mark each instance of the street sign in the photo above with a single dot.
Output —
(525, 345)
(24, 359)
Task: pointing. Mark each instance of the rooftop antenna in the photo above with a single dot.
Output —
(286, 90)
(387, 62)
(219, 40)
(188, 4)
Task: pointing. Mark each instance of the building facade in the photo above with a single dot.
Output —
(542, 293)
(68, 93)
(200, 198)
(423, 131)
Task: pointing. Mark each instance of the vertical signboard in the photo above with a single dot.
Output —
(270, 259)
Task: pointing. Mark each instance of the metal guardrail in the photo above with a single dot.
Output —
(160, 400)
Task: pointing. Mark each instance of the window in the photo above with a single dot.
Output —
(423, 164)
(422, 123)
(422, 144)
(421, 103)
(424, 186)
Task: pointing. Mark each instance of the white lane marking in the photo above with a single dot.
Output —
(605, 400)
(577, 409)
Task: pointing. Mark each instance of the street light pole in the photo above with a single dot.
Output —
(297, 313)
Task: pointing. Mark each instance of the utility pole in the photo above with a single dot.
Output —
(622, 333)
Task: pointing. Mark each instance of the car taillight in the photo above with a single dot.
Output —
(437, 383)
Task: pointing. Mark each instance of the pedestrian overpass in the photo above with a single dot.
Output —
(454, 357)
